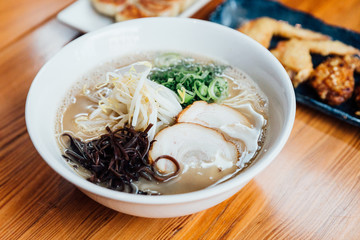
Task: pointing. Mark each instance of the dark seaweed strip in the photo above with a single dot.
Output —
(117, 159)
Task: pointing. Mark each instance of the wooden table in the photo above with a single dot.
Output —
(311, 190)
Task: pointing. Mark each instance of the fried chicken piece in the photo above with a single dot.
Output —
(262, 30)
(334, 79)
(295, 56)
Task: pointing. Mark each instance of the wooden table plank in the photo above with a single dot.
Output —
(19, 17)
(311, 190)
(19, 64)
(339, 13)
(25, 179)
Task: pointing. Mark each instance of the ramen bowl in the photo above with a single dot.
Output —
(159, 34)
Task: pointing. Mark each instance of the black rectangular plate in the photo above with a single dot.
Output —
(233, 13)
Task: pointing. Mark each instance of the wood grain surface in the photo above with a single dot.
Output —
(17, 18)
(310, 191)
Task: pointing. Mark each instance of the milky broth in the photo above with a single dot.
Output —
(77, 104)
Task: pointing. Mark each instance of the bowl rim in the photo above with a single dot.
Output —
(233, 183)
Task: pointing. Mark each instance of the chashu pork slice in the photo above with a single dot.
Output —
(193, 146)
(244, 124)
(212, 115)
(109, 7)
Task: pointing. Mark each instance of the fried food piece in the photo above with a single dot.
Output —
(262, 30)
(109, 7)
(160, 8)
(149, 8)
(334, 79)
(130, 9)
(295, 56)
(182, 4)
(330, 47)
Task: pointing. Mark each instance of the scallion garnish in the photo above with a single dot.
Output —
(189, 80)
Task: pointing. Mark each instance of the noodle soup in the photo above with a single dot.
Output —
(162, 123)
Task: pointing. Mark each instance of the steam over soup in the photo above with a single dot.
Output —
(162, 124)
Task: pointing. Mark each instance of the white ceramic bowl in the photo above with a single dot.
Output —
(174, 34)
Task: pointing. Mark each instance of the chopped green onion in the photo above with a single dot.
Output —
(201, 91)
(189, 80)
(185, 95)
(218, 89)
(167, 59)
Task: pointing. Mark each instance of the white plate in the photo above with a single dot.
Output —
(81, 15)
